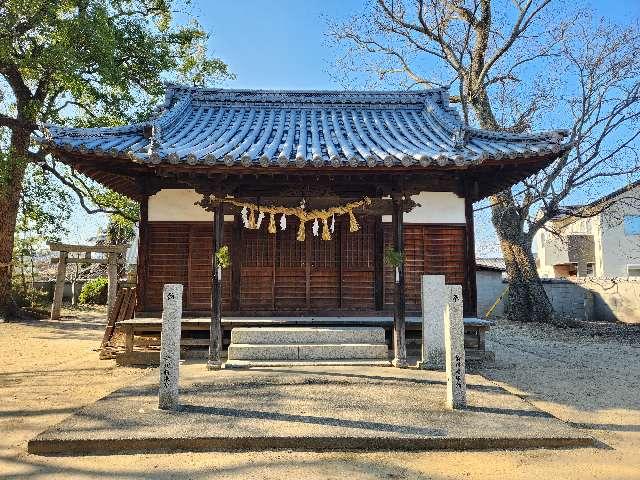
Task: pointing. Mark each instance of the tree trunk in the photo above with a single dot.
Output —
(10, 190)
(527, 300)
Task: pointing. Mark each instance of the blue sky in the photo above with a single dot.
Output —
(283, 45)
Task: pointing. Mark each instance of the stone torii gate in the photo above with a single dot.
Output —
(113, 254)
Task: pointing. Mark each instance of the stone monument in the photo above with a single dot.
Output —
(454, 348)
(170, 346)
(433, 303)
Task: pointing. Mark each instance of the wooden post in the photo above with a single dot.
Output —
(215, 328)
(143, 241)
(112, 278)
(399, 340)
(59, 287)
(378, 267)
(236, 262)
(470, 290)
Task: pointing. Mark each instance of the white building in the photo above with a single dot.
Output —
(600, 239)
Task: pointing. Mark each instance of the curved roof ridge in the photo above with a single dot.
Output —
(304, 97)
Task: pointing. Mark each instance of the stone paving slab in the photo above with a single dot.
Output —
(306, 408)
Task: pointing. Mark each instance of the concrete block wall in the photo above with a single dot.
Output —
(612, 299)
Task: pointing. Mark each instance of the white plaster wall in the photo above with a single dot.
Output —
(178, 205)
(619, 250)
(435, 207)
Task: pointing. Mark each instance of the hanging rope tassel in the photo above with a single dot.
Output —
(272, 223)
(325, 230)
(245, 219)
(353, 223)
(301, 234)
(252, 219)
(315, 228)
(283, 222)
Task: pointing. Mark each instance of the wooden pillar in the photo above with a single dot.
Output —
(143, 249)
(58, 290)
(215, 328)
(399, 340)
(378, 265)
(236, 262)
(112, 278)
(470, 291)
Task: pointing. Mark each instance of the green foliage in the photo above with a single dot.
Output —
(101, 62)
(94, 292)
(84, 63)
(223, 257)
(393, 257)
(45, 206)
(31, 298)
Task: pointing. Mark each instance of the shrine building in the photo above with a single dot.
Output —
(372, 176)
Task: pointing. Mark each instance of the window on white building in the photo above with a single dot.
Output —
(633, 270)
(632, 224)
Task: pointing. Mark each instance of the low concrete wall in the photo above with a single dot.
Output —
(490, 286)
(599, 299)
(615, 298)
(47, 286)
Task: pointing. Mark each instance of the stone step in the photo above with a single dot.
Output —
(307, 335)
(342, 351)
(306, 363)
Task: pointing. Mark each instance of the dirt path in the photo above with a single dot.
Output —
(49, 369)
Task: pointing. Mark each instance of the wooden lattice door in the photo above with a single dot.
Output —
(357, 265)
(324, 274)
(290, 287)
(257, 269)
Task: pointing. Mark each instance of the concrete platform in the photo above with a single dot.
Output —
(307, 335)
(338, 351)
(275, 344)
(306, 408)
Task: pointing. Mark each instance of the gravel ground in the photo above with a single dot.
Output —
(587, 377)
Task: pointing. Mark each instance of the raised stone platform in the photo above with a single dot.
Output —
(306, 408)
(252, 346)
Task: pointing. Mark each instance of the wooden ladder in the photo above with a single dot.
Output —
(123, 309)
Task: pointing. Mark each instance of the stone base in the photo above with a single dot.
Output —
(400, 363)
(307, 344)
(302, 363)
(312, 408)
(429, 366)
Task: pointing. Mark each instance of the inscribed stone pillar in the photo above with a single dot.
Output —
(170, 346)
(454, 348)
(433, 303)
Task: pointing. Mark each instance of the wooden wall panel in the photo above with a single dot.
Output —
(444, 252)
(290, 272)
(168, 260)
(430, 250)
(323, 274)
(274, 268)
(256, 274)
(414, 247)
(199, 280)
(180, 252)
(358, 264)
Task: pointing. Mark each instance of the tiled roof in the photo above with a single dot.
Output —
(490, 264)
(304, 128)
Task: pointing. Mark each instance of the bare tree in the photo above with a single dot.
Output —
(516, 65)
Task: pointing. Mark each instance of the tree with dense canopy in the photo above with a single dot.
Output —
(86, 63)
